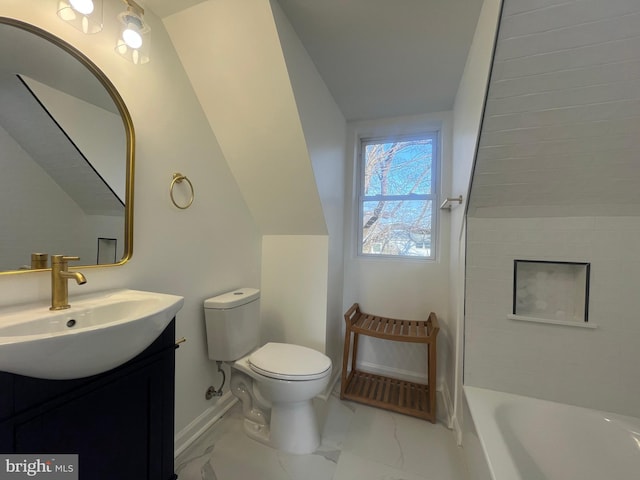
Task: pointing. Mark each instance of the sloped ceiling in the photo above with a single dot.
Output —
(29, 124)
(164, 8)
(382, 58)
(232, 55)
(561, 131)
(379, 58)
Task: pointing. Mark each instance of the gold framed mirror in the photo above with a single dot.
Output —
(67, 155)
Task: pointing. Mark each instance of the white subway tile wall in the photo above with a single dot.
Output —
(594, 368)
(556, 178)
(560, 128)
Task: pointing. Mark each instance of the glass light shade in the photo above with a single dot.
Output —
(85, 7)
(85, 15)
(135, 38)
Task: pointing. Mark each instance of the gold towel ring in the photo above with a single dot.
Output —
(177, 178)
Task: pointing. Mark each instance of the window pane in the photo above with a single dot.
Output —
(398, 168)
(397, 228)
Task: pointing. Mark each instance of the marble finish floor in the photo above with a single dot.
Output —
(358, 443)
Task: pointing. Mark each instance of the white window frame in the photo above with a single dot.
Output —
(435, 135)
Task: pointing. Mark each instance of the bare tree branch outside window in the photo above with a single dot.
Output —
(397, 196)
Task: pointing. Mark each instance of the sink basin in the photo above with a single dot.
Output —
(99, 332)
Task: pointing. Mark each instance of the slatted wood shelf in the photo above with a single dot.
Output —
(410, 398)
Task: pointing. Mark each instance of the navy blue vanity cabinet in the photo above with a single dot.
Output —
(120, 423)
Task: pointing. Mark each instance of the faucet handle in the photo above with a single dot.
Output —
(59, 259)
(39, 261)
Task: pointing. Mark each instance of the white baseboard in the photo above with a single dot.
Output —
(447, 403)
(189, 434)
(326, 393)
(457, 429)
(452, 419)
(400, 374)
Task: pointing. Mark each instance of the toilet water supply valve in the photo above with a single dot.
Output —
(211, 391)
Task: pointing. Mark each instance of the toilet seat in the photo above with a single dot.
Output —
(284, 361)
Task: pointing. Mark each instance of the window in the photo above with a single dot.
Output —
(397, 196)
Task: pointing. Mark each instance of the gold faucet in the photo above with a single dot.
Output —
(59, 276)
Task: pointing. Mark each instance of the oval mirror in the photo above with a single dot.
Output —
(66, 151)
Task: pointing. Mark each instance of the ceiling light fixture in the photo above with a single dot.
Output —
(134, 37)
(85, 15)
(135, 34)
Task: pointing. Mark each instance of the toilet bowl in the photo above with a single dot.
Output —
(276, 383)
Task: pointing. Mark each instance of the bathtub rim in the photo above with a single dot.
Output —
(482, 404)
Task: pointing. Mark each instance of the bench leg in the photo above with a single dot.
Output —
(431, 347)
(345, 362)
(354, 353)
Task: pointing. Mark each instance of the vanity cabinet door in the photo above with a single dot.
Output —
(120, 423)
(6, 396)
(111, 433)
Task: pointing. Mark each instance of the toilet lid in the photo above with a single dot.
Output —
(289, 362)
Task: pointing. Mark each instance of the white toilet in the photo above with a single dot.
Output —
(276, 382)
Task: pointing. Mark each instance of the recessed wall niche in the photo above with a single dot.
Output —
(551, 292)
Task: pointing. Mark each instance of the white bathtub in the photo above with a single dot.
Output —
(523, 438)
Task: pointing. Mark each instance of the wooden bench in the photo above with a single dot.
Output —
(400, 396)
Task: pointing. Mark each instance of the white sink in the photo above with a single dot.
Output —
(99, 332)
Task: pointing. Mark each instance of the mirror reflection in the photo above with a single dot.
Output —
(66, 154)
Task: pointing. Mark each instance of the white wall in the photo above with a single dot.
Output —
(592, 368)
(403, 288)
(105, 226)
(284, 138)
(232, 54)
(467, 114)
(294, 289)
(209, 248)
(324, 130)
(30, 217)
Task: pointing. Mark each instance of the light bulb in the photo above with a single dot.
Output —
(85, 7)
(131, 36)
(133, 42)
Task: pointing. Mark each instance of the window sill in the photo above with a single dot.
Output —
(550, 321)
(387, 258)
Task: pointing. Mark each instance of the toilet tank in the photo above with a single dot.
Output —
(232, 323)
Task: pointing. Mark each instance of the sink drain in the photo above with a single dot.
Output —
(71, 323)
